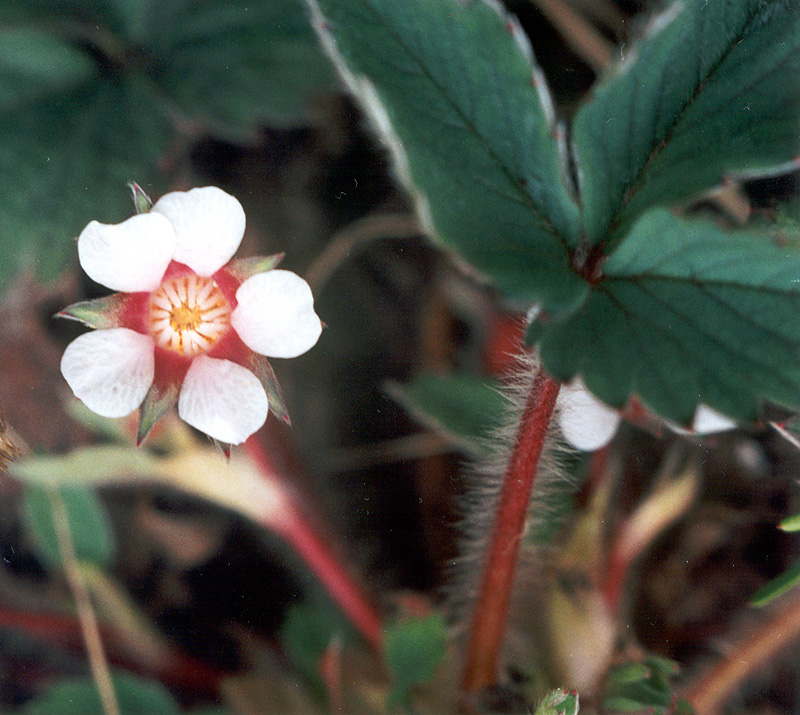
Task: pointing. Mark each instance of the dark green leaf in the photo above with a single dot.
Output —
(462, 408)
(778, 586)
(71, 158)
(89, 524)
(309, 629)
(135, 696)
(686, 313)
(34, 64)
(453, 90)
(236, 64)
(711, 91)
(414, 648)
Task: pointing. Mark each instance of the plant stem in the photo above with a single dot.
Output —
(708, 695)
(83, 603)
(298, 531)
(489, 618)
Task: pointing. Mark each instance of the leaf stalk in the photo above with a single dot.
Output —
(491, 611)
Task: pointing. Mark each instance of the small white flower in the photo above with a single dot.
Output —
(188, 326)
(587, 423)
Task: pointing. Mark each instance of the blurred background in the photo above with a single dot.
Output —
(171, 94)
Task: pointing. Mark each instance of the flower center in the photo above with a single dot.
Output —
(189, 315)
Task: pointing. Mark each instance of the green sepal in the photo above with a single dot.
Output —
(141, 200)
(244, 268)
(156, 403)
(266, 375)
(99, 313)
(223, 447)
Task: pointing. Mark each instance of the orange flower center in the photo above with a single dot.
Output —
(189, 315)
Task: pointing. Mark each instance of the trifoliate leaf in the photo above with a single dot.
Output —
(454, 93)
(710, 91)
(686, 313)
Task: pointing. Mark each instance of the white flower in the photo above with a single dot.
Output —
(588, 424)
(188, 326)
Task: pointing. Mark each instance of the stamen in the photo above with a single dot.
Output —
(188, 315)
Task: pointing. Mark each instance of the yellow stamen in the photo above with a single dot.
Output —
(189, 315)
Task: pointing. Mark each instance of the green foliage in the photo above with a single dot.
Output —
(791, 523)
(466, 113)
(80, 697)
(687, 312)
(464, 409)
(709, 92)
(635, 300)
(309, 629)
(414, 648)
(70, 154)
(89, 524)
(778, 586)
(644, 687)
(34, 64)
(92, 95)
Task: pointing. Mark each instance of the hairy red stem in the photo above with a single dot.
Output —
(489, 618)
(297, 529)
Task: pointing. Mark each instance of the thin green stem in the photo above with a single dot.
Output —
(489, 618)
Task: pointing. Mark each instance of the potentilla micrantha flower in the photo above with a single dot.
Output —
(190, 325)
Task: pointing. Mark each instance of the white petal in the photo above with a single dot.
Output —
(208, 223)
(109, 370)
(222, 399)
(708, 421)
(275, 315)
(130, 256)
(586, 423)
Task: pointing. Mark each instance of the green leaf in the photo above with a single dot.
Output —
(462, 408)
(628, 673)
(711, 91)
(236, 64)
(71, 157)
(309, 629)
(89, 524)
(685, 314)
(453, 90)
(791, 523)
(414, 648)
(778, 586)
(80, 697)
(637, 687)
(34, 64)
